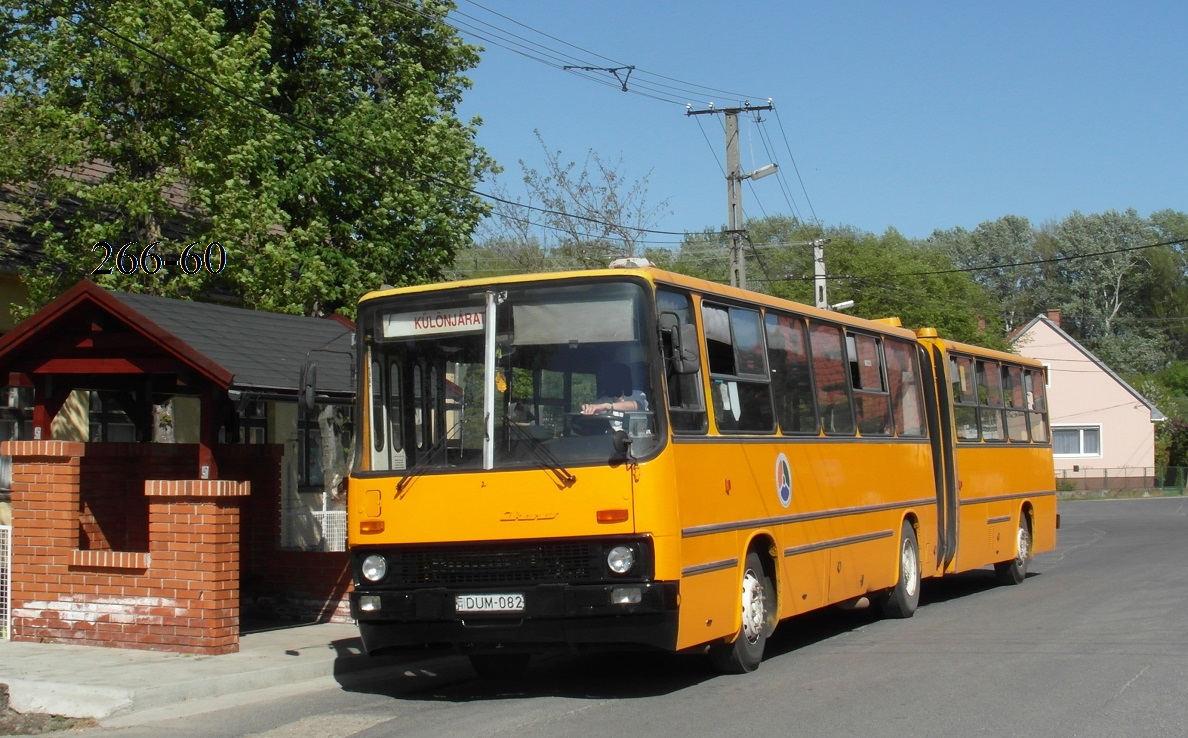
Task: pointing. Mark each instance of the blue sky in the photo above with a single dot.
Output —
(912, 115)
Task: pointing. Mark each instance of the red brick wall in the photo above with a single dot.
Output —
(180, 592)
(105, 555)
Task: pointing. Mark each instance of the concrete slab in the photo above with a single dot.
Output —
(87, 681)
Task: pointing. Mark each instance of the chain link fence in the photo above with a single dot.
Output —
(5, 582)
(1123, 481)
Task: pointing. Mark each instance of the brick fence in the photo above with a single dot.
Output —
(118, 545)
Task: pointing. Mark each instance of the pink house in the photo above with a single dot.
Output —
(1103, 430)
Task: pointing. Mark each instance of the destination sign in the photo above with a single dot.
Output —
(433, 322)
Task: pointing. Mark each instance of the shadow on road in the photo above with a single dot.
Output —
(442, 675)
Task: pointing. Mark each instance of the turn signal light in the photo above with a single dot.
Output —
(371, 526)
(612, 516)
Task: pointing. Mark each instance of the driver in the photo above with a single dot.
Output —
(615, 392)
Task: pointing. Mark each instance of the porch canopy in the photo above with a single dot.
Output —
(142, 350)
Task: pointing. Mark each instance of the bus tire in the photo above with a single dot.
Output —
(903, 598)
(500, 666)
(1015, 570)
(758, 621)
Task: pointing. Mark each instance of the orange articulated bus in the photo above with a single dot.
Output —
(632, 458)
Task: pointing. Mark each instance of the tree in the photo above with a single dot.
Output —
(886, 276)
(1164, 300)
(997, 254)
(1098, 268)
(572, 218)
(316, 142)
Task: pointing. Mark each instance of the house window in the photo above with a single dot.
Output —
(309, 445)
(310, 448)
(16, 424)
(109, 423)
(1081, 440)
(251, 424)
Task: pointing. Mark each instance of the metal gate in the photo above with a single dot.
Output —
(5, 582)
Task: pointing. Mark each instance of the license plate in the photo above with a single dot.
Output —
(489, 603)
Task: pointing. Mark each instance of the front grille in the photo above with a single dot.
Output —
(505, 563)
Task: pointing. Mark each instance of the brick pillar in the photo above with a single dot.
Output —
(45, 480)
(194, 543)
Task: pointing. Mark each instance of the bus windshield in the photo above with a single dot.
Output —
(535, 375)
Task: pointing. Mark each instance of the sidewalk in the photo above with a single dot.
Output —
(89, 681)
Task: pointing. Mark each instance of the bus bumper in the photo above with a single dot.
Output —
(554, 616)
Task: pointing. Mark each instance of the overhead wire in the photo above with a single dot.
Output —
(581, 66)
(325, 135)
(690, 89)
(351, 147)
(795, 168)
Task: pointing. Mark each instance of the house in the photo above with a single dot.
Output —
(1103, 430)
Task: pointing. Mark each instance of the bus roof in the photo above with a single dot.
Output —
(706, 287)
(980, 351)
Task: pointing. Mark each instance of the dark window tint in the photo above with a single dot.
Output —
(791, 381)
(831, 374)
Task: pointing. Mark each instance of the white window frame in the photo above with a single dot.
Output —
(1082, 427)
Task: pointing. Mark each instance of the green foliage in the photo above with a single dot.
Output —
(317, 142)
(1174, 438)
(885, 276)
(997, 255)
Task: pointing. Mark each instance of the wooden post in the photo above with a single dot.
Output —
(208, 435)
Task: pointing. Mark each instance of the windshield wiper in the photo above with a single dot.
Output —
(542, 454)
(423, 462)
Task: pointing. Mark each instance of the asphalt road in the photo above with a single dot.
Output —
(1093, 643)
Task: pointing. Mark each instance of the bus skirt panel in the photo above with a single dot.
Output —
(554, 616)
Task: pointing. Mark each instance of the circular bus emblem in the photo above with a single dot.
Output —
(783, 479)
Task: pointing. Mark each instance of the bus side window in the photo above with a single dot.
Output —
(791, 380)
(1016, 415)
(1037, 405)
(903, 381)
(686, 404)
(871, 401)
(831, 377)
(965, 397)
(738, 363)
(990, 400)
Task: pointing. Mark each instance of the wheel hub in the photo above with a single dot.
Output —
(754, 606)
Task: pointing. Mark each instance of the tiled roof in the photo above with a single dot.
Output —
(19, 247)
(264, 351)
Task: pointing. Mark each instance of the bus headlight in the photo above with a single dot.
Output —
(374, 568)
(620, 559)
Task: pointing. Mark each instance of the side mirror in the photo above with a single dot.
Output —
(621, 441)
(307, 387)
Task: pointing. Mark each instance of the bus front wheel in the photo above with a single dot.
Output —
(1015, 570)
(758, 621)
(901, 601)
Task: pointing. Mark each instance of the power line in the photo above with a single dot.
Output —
(1033, 262)
(795, 168)
(691, 89)
(348, 147)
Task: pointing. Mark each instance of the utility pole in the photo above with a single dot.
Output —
(819, 272)
(734, 177)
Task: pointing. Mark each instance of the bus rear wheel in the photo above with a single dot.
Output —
(903, 598)
(1015, 571)
(758, 621)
